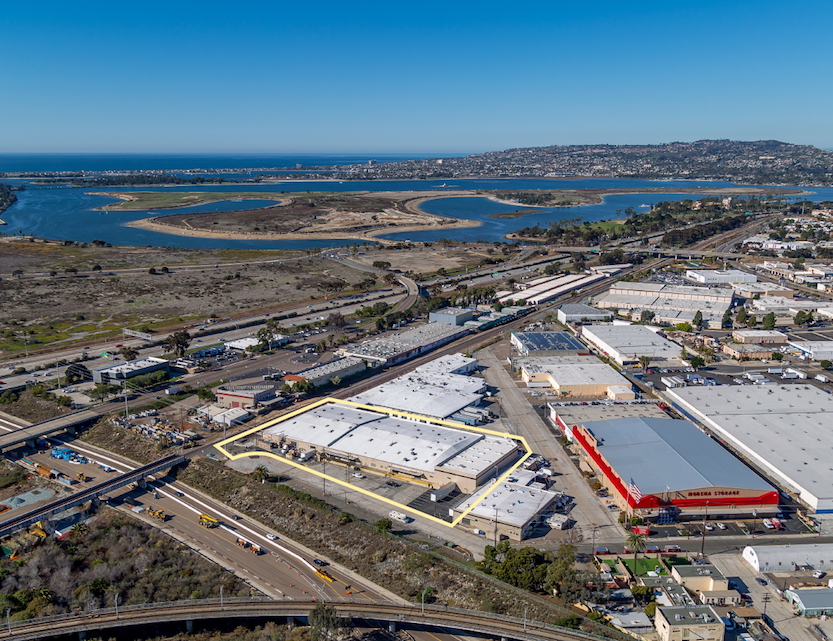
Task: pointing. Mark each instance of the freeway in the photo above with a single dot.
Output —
(397, 616)
(285, 571)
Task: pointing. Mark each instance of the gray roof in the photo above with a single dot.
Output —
(814, 598)
(657, 452)
(573, 309)
(550, 341)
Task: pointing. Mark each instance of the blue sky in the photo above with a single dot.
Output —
(284, 77)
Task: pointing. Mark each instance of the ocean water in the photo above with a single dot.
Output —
(68, 213)
(172, 162)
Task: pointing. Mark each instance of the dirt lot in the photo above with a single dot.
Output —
(66, 306)
(429, 259)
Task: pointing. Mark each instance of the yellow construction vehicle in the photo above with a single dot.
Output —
(208, 521)
(157, 514)
(82, 477)
(325, 575)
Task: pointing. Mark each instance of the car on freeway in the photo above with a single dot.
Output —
(319, 562)
(271, 537)
(358, 475)
(393, 483)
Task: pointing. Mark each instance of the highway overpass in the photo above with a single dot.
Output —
(65, 423)
(115, 483)
(104, 622)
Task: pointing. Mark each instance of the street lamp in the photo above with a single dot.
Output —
(116, 601)
(221, 597)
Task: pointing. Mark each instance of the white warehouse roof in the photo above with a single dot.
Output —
(785, 558)
(629, 342)
(783, 429)
(508, 502)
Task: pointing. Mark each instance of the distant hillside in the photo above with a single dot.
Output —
(760, 162)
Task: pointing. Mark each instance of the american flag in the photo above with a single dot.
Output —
(633, 488)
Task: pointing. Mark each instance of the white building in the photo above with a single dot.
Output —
(381, 441)
(400, 346)
(626, 343)
(720, 276)
(788, 558)
(575, 313)
(784, 430)
(816, 350)
(514, 510)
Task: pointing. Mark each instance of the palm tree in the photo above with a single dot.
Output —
(78, 530)
(637, 543)
(260, 473)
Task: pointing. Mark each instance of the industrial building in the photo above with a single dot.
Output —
(589, 378)
(766, 304)
(506, 509)
(750, 290)
(789, 558)
(670, 303)
(323, 374)
(663, 468)
(436, 389)
(429, 451)
(577, 313)
(118, 374)
(400, 346)
(229, 396)
(567, 414)
(547, 343)
(720, 276)
(248, 342)
(759, 336)
(684, 623)
(815, 350)
(747, 351)
(784, 430)
(811, 602)
(552, 288)
(626, 343)
(451, 316)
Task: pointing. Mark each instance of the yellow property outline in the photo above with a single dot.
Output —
(382, 410)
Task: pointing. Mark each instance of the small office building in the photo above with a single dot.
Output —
(451, 315)
(684, 623)
(811, 602)
(118, 374)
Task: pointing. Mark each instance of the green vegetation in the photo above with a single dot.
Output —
(7, 197)
(114, 555)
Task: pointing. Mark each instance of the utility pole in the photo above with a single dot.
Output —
(703, 539)
(766, 598)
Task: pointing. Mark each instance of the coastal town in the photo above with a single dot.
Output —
(626, 416)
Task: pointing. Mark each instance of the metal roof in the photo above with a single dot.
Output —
(785, 429)
(510, 502)
(663, 454)
(784, 558)
(814, 598)
(394, 440)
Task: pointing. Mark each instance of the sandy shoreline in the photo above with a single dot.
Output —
(413, 205)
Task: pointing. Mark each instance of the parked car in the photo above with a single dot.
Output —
(721, 526)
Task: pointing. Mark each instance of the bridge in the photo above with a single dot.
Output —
(25, 520)
(30, 434)
(101, 622)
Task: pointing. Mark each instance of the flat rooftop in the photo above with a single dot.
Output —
(689, 615)
(392, 345)
(665, 454)
(566, 374)
(550, 341)
(694, 571)
(784, 428)
(575, 414)
(388, 438)
(632, 340)
(333, 367)
(508, 502)
(133, 366)
(409, 395)
(573, 309)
